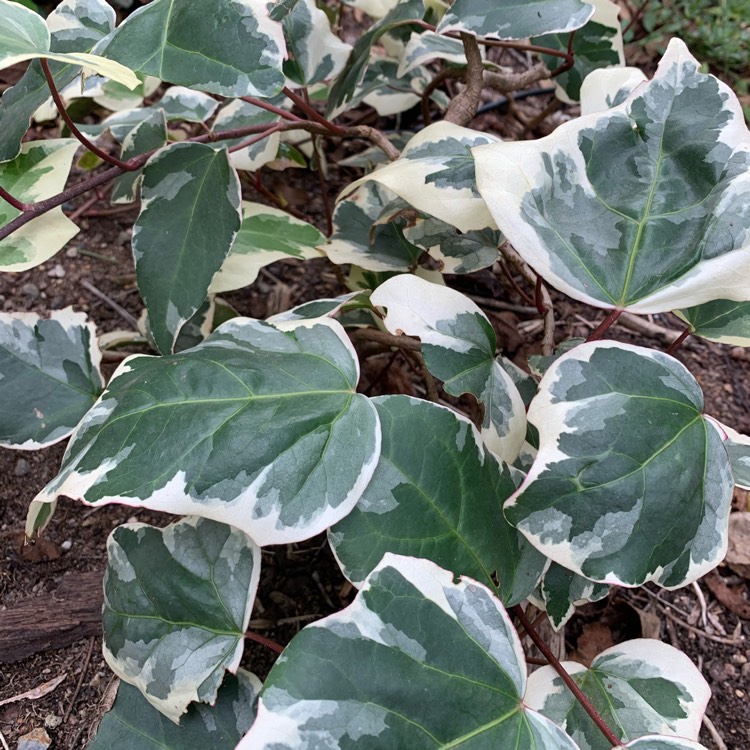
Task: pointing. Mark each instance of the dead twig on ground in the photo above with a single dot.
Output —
(121, 311)
(77, 690)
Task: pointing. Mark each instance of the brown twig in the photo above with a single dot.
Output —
(103, 155)
(121, 311)
(376, 137)
(277, 128)
(267, 642)
(77, 690)
(385, 338)
(313, 114)
(505, 83)
(586, 704)
(440, 78)
(462, 109)
(716, 638)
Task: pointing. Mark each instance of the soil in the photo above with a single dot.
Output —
(301, 582)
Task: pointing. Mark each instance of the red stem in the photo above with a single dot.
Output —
(278, 127)
(676, 343)
(566, 678)
(604, 326)
(267, 642)
(312, 114)
(60, 104)
(538, 299)
(13, 201)
(271, 108)
(636, 17)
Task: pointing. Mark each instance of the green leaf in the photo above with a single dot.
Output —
(641, 207)
(562, 591)
(631, 482)
(318, 54)
(75, 26)
(515, 19)
(133, 724)
(416, 661)
(659, 742)
(435, 174)
(597, 45)
(257, 427)
(426, 46)
(347, 82)
(738, 450)
(639, 687)
(173, 635)
(440, 499)
(458, 345)
(148, 135)
(239, 114)
(220, 46)
(266, 235)
(190, 215)
(49, 376)
(721, 320)
(358, 239)
(25, 36)
(38, 172)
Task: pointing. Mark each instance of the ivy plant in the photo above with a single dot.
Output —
(596, 466)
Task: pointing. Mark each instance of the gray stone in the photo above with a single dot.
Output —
(22, 467)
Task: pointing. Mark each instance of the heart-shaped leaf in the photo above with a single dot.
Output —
(257, 427)
(416, 661)
(438, 498)
(641, 207)
(639, 687)
(631, 482)
(49, 376)
(134, 724)
(174, 634)
(721, 320)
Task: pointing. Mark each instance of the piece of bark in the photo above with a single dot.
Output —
(54, 620)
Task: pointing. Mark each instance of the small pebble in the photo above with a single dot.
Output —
(36, 739)
(22, 467)
(52, 720)
(58, 272)
(66, 545)
(72, 252)
(30, 290)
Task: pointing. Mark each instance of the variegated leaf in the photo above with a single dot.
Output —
(738, 449)
(239, 114)
(386, 92)
(374, 8)
(148, 135)
(257, 427)
(75, 26)
(720, 320)
(596, 45)
(357, 237)
(346, 83)
(427, 46)
(605, 88)
(25, 36)
(515, 19)
(190, 216)
(266, 235)
(173, 635)
(639, 687)
(458, 345)
(226, 47)
(660, 742)
(631, 482)
(642, 207)
(318, 54)
(39, 171)
(435, 174)
(562, 591)
(134, 724)
(416, 661)
(438, 498)
(49, 376)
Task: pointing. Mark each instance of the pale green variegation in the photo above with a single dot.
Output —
(317, 54)
(639, 687)
(190, 216)
(178, 103)
(148, 135)
(39, 171)
(374, 8)
(642, 207)
(562, 591)
(25, 36)
(417, 661)
(226, 47)
(458, 345)
(358, 239)
(435, 174)
(427, 46)
(660, 742)
(49, 376)
(346, 83)
(173, 635)
(239, 114)
(386, 92)
(437, 494)
(597, 45)
(631, 482)
(738, 450)
(266, 235)
(720, 320)
(605, 88)
(515, 19)
(134, 724)
(265, 431)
